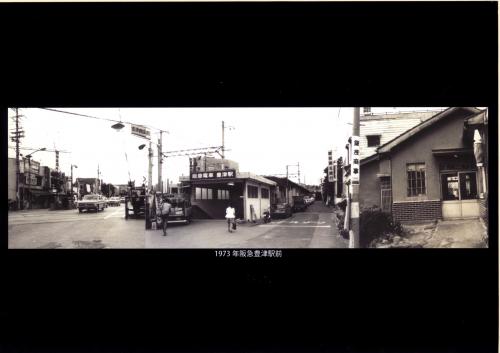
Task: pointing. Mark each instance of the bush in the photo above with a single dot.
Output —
(374, 224)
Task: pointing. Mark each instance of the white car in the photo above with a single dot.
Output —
(92, 202)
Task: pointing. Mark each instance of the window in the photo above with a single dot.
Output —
(223, 194)
(373, 140)
(265, 193)
(416, 179)
(203, 194)
(367, 110)
(252, 192)
(459, 186)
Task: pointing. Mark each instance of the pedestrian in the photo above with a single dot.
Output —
(230, 215)
(165, 211)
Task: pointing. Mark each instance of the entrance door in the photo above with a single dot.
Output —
(459, 192)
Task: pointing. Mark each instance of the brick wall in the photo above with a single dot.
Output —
(416, 211)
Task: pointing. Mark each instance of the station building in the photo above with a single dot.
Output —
(215, 183)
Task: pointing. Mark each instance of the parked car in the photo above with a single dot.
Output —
(299, 203)
(114, 201)
(91, 202)
(106, 201)
(281, 210)
(122, 199)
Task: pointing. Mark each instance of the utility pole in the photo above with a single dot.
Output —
(150, 167)
(354, 233)
(222, 139)
(97, 182)
(298, 172)
(160, 163)
(29, 180)
(17, 135)
(286, 190)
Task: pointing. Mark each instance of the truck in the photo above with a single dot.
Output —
(135, 202)
(181, 210)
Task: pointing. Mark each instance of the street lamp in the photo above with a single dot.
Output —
(29, 172)
(72, 194)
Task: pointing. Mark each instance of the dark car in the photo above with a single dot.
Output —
(299, 204)
(281, 210)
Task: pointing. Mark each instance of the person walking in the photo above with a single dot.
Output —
(165, 211)
(230, 215)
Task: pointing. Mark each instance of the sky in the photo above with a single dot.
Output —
(262, 140)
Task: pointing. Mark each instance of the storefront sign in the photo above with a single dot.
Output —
(141, 131)
(355, 158)
(216, 174)
(35, 167)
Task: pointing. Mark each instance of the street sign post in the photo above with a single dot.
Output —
(140, 131)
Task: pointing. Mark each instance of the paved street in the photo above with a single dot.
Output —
(44, 229)
(314, 228)
(47, 229)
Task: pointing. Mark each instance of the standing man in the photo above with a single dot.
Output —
(165, 211)
(230, 215)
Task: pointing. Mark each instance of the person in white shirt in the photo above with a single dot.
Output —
(165, 211)
(230, 215)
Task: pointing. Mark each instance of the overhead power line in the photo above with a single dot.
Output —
(100, 118)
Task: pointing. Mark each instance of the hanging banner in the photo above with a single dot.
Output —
(140, 131)
(355, 160)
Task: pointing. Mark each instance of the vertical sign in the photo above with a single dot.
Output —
(330, 166)
(355, 160)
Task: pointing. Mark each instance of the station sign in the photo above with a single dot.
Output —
(214, 174)
(141, 131)
(355, 158)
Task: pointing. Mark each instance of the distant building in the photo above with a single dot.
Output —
(38, 185)
(87, 186)
(209, 164)
(286, 189)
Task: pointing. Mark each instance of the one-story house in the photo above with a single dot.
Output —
(431, 171)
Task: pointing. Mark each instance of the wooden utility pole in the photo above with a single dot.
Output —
(16, 138)
(354, 205)
(222, 151)
(160, 163)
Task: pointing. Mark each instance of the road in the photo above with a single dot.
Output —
(68, 229)
(313, 228)
(45, 229)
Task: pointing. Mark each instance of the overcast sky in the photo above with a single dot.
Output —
(263, 141)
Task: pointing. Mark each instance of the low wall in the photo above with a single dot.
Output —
(416, 211)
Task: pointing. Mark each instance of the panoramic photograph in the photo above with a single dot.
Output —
(252, 181)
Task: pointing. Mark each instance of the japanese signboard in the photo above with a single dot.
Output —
(35, 167)
(355, 158)
(216, 174)
(141, 131)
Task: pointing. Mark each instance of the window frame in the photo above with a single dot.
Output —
(423, 180)
(372, 136)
